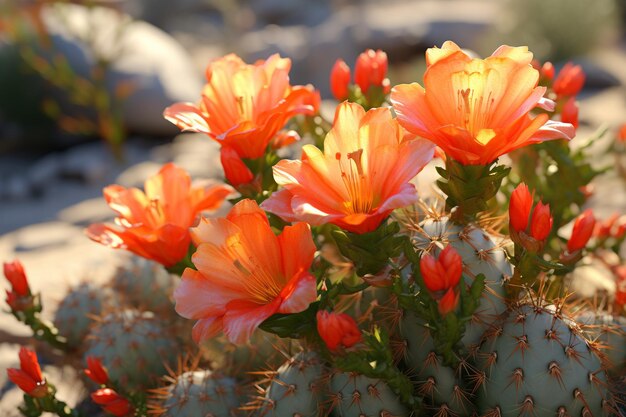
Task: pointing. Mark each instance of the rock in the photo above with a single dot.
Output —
(144, 59)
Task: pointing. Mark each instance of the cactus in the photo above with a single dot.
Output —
(445, 390)
(353, 395)
(609, 332)
(536, 362)
(481, 255)
(298, 388)
(132, 345)
(201, 393)
(77, 310)
(145, 285)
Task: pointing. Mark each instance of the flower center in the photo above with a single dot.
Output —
(259, 284)
(358, 186)
(476, 110)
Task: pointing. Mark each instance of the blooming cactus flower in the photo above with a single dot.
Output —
(360, 177)
(245, 273)
(478, 109)
(155, 224)
(29, 377)
(337, 330)
(243, 106)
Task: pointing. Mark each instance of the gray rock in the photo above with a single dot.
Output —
(157, 69)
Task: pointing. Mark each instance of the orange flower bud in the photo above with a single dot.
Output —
(29, 377)
(581, 233)
(96, 371)
(370, 69)
(541, 223)
(339, 80)
(570, 112)
(604, 228)
(235, 171)
(448, 302)
(443, 273)
(111, 402)
(337, 330)
(519, 208)
(570, 80)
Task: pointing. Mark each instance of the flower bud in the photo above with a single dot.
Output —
(111, 402)
(569, 114)
(235, 171)
(29, 378)
(448, 302)
(337, 330)
(547, 70)
(582, 231)
(570, 80)
(96, 371)
(370, 69)
(541, 223)
(621, 133)
(443, 273)
(14, 272)
(519, 208)
(339, 80)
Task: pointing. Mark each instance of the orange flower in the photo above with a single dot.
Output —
(362, 175)
(519, 208)
(621, 133)
(337, 330)
(155, 224)
(477, 110)
(245, 273)
(19, 297)
(371, 70)
(243, 106)
(339, 80)
(29, 377)
(442, 276)
(541, 222)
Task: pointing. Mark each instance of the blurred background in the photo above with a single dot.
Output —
(83, 83)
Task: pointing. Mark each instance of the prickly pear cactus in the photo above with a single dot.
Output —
(444, 389)
(145, 285)
(201, 393)
(353, 395)
(298, 388)
(536, 362)
(610, 334)
(77, 311)
(133, 346)
(481, 254)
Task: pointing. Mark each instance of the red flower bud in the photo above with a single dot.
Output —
(443, 273)
(621, 133)
(547, 70)
(570, 80)
(570, 112)
(14, 272)
(582, 231)
(541, 223)
(29, 377)
(448, 302)
(519, 208)
(339, 80)
(111, 402)
(337, 330)
(235, 171)
(370, 69)
(96, 371)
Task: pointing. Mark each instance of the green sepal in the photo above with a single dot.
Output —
(294, 326)
(469, 187)
(370, 252)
